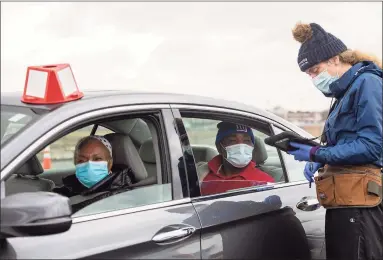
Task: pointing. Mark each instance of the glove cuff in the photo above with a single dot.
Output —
(313, 150)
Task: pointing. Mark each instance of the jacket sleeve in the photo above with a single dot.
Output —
(367, 147)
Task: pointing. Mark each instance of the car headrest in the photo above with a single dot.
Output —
(147, 153)
(259, 152)
(125, 153)
(203, 153)
(30, 167)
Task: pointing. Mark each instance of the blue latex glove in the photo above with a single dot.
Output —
(303, 152)
(310, 169)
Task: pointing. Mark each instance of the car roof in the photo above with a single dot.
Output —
(99, 99)
(14, 99)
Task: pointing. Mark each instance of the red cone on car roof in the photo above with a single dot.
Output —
(50, 84)
(47, 160)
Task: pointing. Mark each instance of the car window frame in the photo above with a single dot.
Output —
(203, 115)
(68, 125)
(251, 122)
(248, 116)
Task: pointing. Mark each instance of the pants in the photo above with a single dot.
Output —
(354, 233)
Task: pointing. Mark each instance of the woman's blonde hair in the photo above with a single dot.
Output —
(354, 56)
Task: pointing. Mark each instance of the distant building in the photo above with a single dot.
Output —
(299, 118)
(279, 111)
(310, 121)
(304, 117)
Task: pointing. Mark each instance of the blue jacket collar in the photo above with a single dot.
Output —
(339, 87)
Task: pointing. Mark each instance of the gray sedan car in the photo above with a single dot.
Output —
(164, 139)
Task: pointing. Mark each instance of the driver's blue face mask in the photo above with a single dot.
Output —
(90, 173)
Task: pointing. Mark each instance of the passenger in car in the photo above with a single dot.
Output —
(95, 171)
(233, 168)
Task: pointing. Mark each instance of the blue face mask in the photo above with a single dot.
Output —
(90, 173)
(323, 82)
(239, 155)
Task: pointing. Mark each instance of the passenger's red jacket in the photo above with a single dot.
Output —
(214, 182)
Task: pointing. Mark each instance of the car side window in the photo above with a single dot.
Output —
(13, 120)
(58, 156)
(137, 168)
(265, 166)
(294, 168)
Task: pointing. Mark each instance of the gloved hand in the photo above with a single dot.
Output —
(310, 169)
(303, 152)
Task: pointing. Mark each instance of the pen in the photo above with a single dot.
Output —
(311, 169)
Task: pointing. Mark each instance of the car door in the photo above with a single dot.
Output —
(234, 220)
(313, 221)
(163, 224)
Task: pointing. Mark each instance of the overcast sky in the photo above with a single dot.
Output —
(236, 51)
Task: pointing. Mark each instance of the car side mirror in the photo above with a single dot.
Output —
(308, 204)
(34, 214)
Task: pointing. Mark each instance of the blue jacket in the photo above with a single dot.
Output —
(354, 127)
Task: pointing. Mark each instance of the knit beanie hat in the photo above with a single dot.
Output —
(227, 128)
(317, 45)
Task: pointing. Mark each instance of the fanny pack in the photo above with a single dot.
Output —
(349, 186)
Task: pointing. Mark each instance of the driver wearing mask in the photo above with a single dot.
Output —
(94, 172)
(233, 168)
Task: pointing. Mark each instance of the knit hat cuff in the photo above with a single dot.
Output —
(323, 53)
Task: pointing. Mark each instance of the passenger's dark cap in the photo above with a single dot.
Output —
(228, 128)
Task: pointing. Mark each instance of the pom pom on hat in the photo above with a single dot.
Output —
(302, 32)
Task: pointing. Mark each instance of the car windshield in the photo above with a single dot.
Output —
(14, 120)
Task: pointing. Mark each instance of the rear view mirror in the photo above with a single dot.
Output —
(34, 214)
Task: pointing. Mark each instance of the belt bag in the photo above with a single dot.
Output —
(349, 186)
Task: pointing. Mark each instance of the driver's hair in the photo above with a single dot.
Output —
(89, 139)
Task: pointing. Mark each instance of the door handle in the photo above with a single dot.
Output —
(308, 204)
(168, 236)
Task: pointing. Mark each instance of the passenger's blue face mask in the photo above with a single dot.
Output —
(323, 82)
(90, 173)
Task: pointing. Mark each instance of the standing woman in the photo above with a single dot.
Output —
(350, 159)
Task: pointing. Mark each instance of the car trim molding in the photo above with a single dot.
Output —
(120, 212)
(61, 127)
(248, 190)
(226, 110)
(237, 112)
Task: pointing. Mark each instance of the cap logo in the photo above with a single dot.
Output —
(241, 128)
(303, 62)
